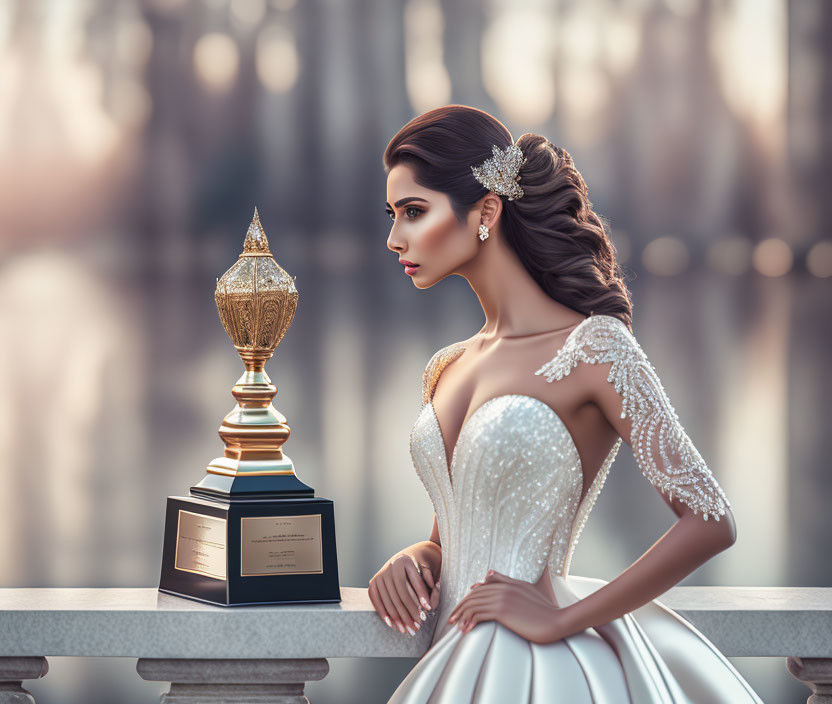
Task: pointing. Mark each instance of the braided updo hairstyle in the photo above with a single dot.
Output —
(557, 236)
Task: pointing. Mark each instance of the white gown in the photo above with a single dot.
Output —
(514, 507)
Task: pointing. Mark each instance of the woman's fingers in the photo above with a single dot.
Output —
(475, 596)
(391, 602)
(510, 582)
(387, 604)
(434, 597)
(407, 596)
(486, 612)
(467, 602)
(493, 576)
(420, 586)
(403, 605)
(430, 584)
(378, 604)
(481, 604)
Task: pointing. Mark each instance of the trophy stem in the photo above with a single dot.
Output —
(254, 360)
(254, 465)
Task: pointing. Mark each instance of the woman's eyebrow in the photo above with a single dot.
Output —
(400, 203)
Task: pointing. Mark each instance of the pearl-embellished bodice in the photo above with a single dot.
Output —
(511, 498)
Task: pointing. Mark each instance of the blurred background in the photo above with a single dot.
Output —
(137, 138)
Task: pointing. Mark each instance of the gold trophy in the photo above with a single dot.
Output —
(252, 532)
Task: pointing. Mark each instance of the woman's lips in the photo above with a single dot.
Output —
(409, 267)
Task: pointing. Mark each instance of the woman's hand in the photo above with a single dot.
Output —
(514, 603)
(400, 594)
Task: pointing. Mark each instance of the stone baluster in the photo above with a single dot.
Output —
(816, 674)
(12, 673)
(267, 681)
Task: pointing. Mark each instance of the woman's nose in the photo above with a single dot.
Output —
(393, 244)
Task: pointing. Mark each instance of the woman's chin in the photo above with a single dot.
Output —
(421, 281)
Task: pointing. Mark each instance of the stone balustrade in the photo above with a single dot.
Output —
(266, 654)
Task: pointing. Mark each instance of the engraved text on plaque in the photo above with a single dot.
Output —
(281, 545)
(200, 545)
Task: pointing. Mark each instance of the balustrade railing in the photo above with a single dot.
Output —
(268, 653)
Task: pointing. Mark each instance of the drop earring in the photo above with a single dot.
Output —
(483, 230)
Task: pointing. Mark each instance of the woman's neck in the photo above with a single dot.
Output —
(514, 304)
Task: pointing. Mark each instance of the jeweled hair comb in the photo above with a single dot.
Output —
(501, 172)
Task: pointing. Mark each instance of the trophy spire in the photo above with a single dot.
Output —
(255, 242)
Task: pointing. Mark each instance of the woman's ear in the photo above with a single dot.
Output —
(492, 208)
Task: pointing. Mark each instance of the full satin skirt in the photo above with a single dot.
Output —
(649, 656)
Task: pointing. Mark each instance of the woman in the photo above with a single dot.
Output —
(513, 463)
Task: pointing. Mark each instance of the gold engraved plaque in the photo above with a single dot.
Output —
(281, 545)
(200, 544)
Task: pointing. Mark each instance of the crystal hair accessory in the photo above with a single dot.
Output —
(501, 172)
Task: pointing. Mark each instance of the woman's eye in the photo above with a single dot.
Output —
(411, 212)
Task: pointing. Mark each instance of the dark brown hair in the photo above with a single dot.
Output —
(553, 229)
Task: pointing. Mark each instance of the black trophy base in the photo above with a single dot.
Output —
(246, 552)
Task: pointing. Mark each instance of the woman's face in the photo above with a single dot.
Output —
(425, 229)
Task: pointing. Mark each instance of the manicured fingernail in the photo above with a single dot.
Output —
(425, 602)
(410, 631)
(423, 616)
(401, 628)
(387, 621)
(452, 619)
(417, 625)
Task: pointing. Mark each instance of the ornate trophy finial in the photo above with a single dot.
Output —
(255, 242)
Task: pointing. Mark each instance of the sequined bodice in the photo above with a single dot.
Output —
(511, 498)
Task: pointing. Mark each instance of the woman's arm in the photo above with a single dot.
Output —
(650, 423)
(689, 543)
(434, 534)
(437, 550)
(428, 551)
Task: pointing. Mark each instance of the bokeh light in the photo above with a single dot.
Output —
(278, 64)
(216, 60)
(772, 257)
(819, 259)
(665, 256)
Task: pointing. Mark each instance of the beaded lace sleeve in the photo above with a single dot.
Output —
(434, 368)
(661, 447)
